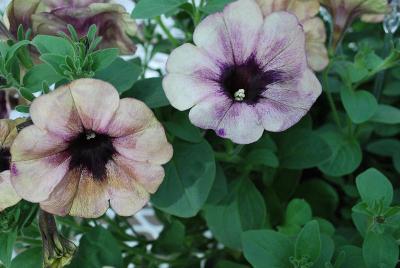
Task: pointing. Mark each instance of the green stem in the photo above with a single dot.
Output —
(165, 29)
(196, 13)
(330, 98)
(380, 79)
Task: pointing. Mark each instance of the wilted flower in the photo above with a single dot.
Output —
(345, 11)
(8, 132)
(244, 75)
(88, 148)
(50, 17)
(19, 12)
(314, 28)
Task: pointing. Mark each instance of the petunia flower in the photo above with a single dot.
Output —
(314, 28)
(243, 75)
(345, 11)
(50, 17)
(8, 132)
(87, 149)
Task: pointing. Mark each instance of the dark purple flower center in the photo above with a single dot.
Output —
(91, 151)
(246, 82)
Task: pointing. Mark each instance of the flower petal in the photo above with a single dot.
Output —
(126, 195)
(61, 198)
(230, 36)
(317, 54)
(284, 105)
(192, 76)
(148, 175)
(34, 143)
(282, 45)
(91, 199)
(209, 112)
(8, 196)
(34, 180)
(241, 124)
(149, 145)
(132, 116)
(96, 102)
(56, 113)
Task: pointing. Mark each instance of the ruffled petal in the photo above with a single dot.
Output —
(61, 198)
(56, 113)
(209, 112)
(241, 124)
(281, 47)
(148, 145)
(34, 180)
(96, 102)
(148, 175)
(8, 196)
(283, 105)
(91, 199)
(229, 37)
(317, 54)
(126, 195)
(132, 116)
(34, 143)
(192, 76)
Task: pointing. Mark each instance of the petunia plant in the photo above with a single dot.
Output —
(199, 133)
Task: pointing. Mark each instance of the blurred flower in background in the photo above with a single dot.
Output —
(8, 132)
(345, 11)
(49, 17)
(306, 12)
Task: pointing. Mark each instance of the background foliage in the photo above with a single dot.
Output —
(323, 194)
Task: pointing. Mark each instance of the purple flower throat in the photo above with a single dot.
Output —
(247, 81)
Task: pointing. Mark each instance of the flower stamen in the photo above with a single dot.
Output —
(239, 95)
(90, 135)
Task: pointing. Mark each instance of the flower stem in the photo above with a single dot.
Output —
(57, 250)
(380, 79)
(330, 98)
(167, 32)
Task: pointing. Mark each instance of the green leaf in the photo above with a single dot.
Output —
(264, 157)
(229, 264)
(47, 44)
(352, 257)
(147, 9)
(242, 209)
(308, 242)
(171, 239)
(30, 258)
(180, 126)
(219, 188)
(97, 248)
(265, 248)
(14, 49)
(121, 74)
(55, 61)
(301, 148)
(298, 212)
(373, 187)
(386, 114)
(149, 91)
(26, 94)
(213, 6)
(103, 58)
(380, 251)
(188, 180)
(392, 89)
(360, 105)
(322, 197)
(7, 241)
(346, 154)
(327, 251)
(384, 147)
(34, 78)
(22, 109)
